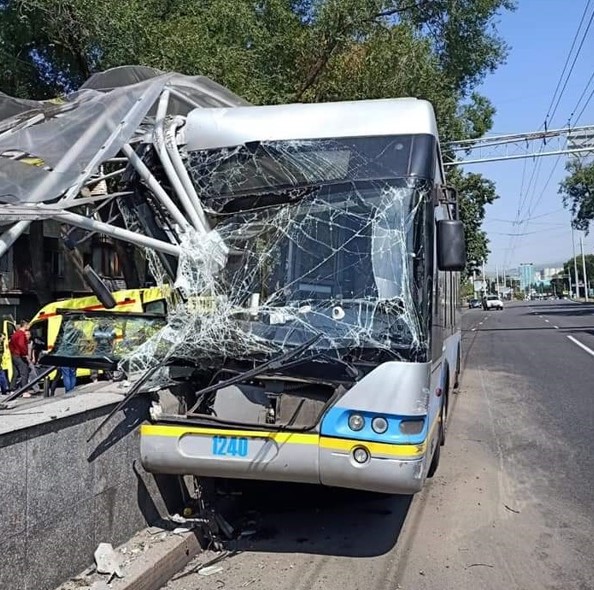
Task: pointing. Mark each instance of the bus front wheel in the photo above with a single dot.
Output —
(436, 454)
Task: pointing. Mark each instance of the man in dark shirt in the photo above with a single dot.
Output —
(19, 351)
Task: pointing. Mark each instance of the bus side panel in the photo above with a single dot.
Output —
(397, 463)
(394, 387)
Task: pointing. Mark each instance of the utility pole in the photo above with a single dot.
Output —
(575, 273)
(584, 268)
(497, 280)
(485, 286)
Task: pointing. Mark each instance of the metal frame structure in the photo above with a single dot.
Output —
(533, 144)
(154, 118)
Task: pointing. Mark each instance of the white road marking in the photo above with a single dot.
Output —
(582, 346)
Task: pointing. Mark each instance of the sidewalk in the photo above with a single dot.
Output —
(37, 404)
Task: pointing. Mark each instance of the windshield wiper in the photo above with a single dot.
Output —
(132, 393)
(272, 365)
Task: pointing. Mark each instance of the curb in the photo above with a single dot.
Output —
(156, 566)
(148, 561)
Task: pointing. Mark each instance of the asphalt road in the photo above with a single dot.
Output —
(512, 505)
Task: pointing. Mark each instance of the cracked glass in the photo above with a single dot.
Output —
(324, 237)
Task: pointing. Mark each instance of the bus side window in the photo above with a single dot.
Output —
(158, 307)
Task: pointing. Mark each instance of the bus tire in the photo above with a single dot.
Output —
(435, 460)
(443, 426)
(457, 374)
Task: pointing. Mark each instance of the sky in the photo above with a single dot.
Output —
(540, 34)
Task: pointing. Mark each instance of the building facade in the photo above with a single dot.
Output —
(526, 275)
(33, 270)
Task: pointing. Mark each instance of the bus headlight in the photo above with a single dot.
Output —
(356, 422)
(361, 455)
(379, 425)
(412, 426)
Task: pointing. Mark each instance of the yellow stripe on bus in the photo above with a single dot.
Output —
(297, 438)
(279, 437)
(396, 450)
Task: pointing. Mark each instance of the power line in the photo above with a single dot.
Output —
(577, 104)
(585, 105)
(526, 233)
(544, 188)
(574, 59)
(534, 217)
(547, 223)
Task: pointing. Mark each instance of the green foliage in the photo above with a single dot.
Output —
(268, 51)
(475, 192)
(272, 51)
(568, 268)
(578, 193)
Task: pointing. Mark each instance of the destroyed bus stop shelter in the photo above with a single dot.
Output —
(274, 241)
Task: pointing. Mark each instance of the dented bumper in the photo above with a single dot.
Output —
(282, 456)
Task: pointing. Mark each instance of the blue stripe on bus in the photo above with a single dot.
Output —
(335, 423)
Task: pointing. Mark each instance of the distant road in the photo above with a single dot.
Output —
(512, 505)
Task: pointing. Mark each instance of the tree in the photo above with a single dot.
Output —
(277, 51)
(578, 193)
(560, 283)
(269, 51)
(475, 192)
(569, 268)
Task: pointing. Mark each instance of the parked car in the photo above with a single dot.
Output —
(492, 302)
(474, 304)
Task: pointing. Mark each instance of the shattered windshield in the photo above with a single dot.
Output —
(99, 339)
(327, 261)
(324, 237)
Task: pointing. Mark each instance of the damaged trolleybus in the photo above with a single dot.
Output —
(329, 349)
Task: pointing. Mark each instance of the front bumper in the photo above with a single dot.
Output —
(282, 456)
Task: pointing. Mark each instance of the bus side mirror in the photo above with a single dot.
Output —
(451, 246)
(99, 288)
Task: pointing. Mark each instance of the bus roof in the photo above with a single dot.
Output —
(213, 128)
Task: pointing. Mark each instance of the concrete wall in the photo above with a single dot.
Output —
(60, 496)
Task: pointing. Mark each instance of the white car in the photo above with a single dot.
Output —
(492, 302)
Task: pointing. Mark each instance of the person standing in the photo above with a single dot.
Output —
(19, 351)
(3, 379)
(33, 368)
(68, 376)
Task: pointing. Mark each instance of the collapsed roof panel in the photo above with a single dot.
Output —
(287, 223)
(51, 150)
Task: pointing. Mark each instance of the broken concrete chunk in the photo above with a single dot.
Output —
(210, 570)
(181, 530)
(108, 561)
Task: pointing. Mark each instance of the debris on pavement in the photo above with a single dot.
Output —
(108, 561)
(210, 570)
(181, 530)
